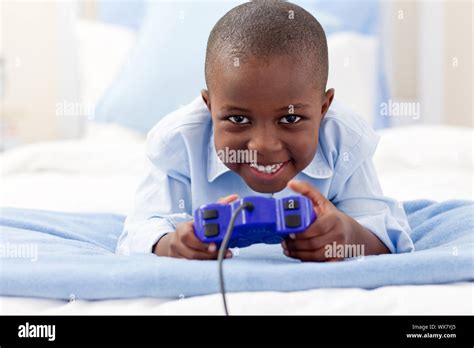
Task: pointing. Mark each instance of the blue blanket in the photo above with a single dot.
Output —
(64, 255)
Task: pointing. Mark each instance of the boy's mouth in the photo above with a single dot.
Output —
(267, 170)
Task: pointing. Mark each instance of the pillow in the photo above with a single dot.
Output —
(352, 72)
(102, 50)
(426, 161)
(166, 69)
(128, 14)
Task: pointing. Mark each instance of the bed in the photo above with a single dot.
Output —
(100, 172)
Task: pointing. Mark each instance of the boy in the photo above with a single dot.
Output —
(266, 73)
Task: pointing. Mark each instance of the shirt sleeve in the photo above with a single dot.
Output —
(361, 197)
(162, 201)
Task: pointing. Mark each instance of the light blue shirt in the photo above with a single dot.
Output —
(185, 172)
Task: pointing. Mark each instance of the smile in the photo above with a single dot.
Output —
(267, 169)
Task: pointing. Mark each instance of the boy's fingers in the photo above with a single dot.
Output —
(190, 247)
(308, 256)
(318, 228)
(214, 249)
(189, 253)
(310, 244)
(189, 238)
(314, 255)
(190, 241)
(194, 243)
(228, 199)
(321, 203)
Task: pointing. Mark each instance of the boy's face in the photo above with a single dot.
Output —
(271, 108)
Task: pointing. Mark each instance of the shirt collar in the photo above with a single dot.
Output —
(215, 167)
(319, 167)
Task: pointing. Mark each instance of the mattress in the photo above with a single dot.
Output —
(101, 173)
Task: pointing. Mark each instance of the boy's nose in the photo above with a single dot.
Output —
(265, 142)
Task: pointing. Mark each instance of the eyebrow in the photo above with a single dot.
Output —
(284, 108)
(295, 106)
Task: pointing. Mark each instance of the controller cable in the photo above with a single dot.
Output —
(220, 256)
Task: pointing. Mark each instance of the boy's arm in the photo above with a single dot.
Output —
(358, 221)
(161, 203)
(183, 242)
(161, 222)
(361, 198)
(333, 236)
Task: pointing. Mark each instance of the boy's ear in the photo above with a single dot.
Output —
(205, 97)
(328, 97)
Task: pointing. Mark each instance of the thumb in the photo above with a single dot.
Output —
(228, 199)
(321, 204)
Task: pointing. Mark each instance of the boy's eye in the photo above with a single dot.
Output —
(290, 119)
(238, 119)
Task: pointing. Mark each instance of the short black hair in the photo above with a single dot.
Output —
(268, 28)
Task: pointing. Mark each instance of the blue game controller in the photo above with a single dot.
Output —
(268, 221)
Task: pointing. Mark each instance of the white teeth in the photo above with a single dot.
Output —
(267, 169)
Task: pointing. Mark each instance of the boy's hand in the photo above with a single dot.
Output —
(330, 226)
(183, 243)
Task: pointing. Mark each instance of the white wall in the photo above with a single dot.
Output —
(429, 59)
(458, 55)
(39, 69)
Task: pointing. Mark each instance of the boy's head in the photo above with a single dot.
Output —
(266, 73)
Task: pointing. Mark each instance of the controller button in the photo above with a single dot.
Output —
(292, 221)
(211, 230)
(210, 214)
(291, 204)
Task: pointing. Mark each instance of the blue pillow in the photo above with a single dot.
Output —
(125, 13)
(166, 68)
(362, 16)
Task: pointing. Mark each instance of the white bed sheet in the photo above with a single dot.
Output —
(90, 176)
(452, 299)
